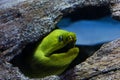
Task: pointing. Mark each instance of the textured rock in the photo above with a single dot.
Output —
(23, 22)
(115, 9)
(7, 72)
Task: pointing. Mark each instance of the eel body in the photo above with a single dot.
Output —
(51, 55)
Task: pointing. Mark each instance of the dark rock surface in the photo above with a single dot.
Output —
(115, 9)
(7, 72)
(26, 21)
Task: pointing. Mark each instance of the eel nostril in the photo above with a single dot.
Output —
(70, 38)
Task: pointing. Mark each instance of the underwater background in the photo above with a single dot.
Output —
(91, 32)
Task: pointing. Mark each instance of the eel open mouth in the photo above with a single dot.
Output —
(66, 47)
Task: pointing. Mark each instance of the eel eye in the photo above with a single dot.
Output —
(60, 38)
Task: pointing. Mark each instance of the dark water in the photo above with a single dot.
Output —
(91, 32)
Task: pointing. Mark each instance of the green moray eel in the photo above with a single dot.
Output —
(47, 61)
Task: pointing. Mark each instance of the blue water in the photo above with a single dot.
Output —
(90, 32)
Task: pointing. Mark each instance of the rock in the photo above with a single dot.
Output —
(115, 9)
(8, 72)
(24, 22)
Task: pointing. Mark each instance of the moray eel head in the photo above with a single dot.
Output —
(51, 56)
(57, 40)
